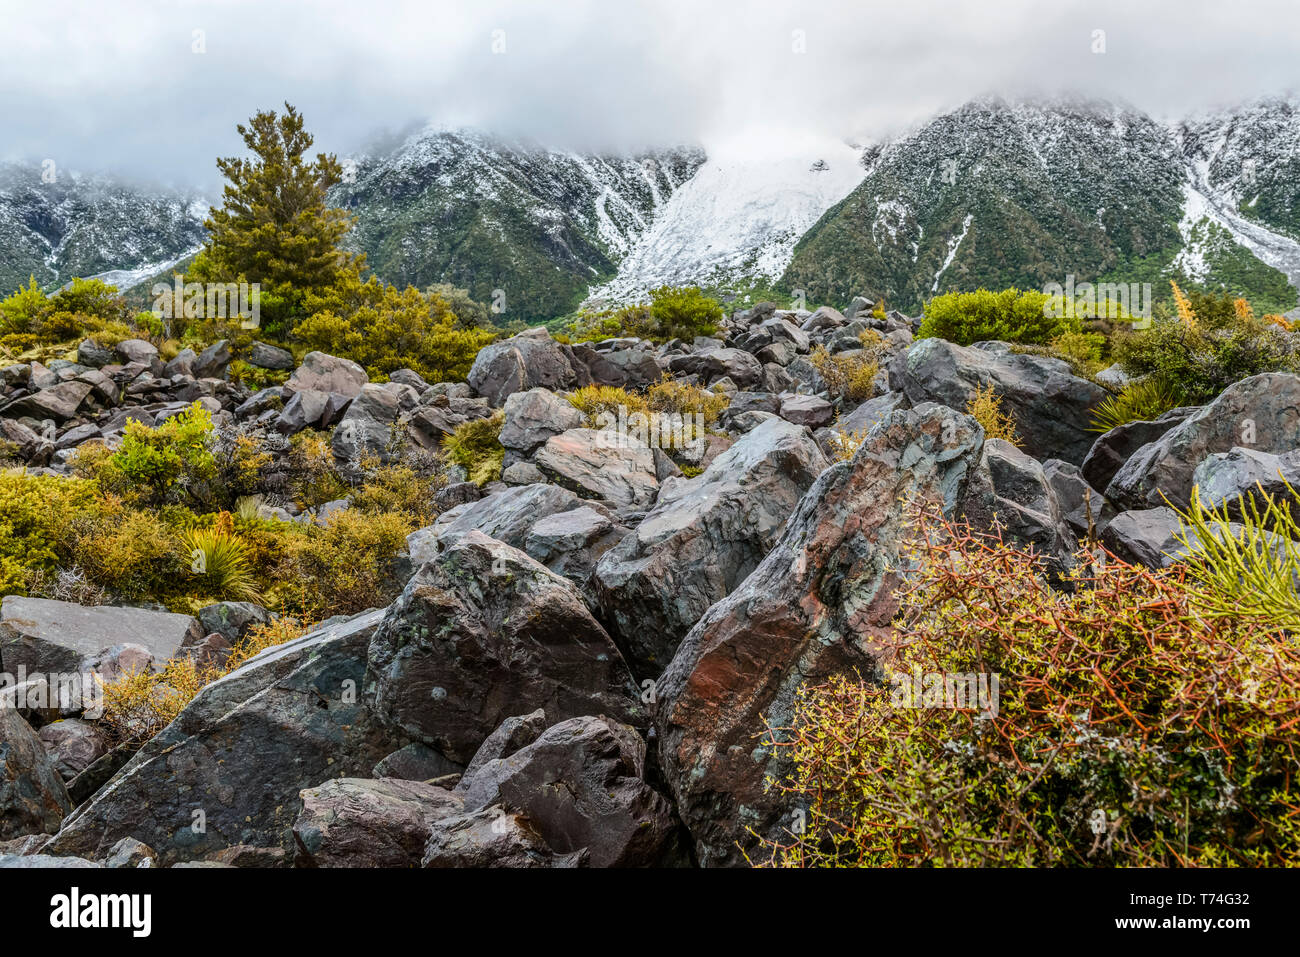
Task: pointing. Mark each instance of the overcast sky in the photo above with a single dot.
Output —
(121, 85)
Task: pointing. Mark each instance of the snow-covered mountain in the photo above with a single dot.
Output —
(1000, 193)
(994, 193)
(486, 214)
(738, 218)
(83, 225)
(1244, 177)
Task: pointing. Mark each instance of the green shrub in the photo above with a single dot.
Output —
(346, 567)
(1124, 729)
(159, 463)
(1008, 316)
(33, 513)
(385, 329)
(1205, 350)
(683, 313)
(476, 447)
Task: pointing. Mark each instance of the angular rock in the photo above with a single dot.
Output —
(72, 745)
(1010, 492)
(1242, 476)
(1052, 408)
(1262, 413)
(33, 798)
(507, 516)
(820, 603)
(605, 465)
(54, 637)
(1146, 537)
(320, 372)
(1109, 453)
(1081, 505)
(582, 784)
(520, 363)
(702, 539)
(269, 357)
(213, 361)
(713, 364)
(233, 619)
(415, 762)
(534, 416)
(809, 410)
(492, 838)
(367, 426)
(512, 734)
(241, 752)
(59, 402)
(136, 350)
(358, 822)
(482, 632)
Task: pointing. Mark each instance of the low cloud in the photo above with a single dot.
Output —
(154, 90)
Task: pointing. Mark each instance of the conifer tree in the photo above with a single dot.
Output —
(274, 226)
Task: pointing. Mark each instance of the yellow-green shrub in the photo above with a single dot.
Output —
(1128, 730)
(476, 447)
(1008, 316)
(34, 511)
(985, 407)
(346, 567)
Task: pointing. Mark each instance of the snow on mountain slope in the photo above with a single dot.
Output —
(737, 218)
(85, 225)
(1242, 166)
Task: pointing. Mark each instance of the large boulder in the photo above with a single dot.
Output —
(629, 367)
(33, 798)
(59, 402)
(492, 838)
(1146, 537)
(367, 426)
(321, 372)
(1261, 413)
(357, 822)
(508, 516)
(229, 769)
(1112, 449)
(605, 465)
(1241, 476)
(820, 603)
(520, 363)
(483, 632)
(53, 637)
(72, 745)
(582, 784)
(1010, 493)
(712, 364)
(1052, 408)
(534, 416)
(1084, 508)
(702, 539)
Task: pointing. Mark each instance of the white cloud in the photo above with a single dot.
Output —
(116, 85)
